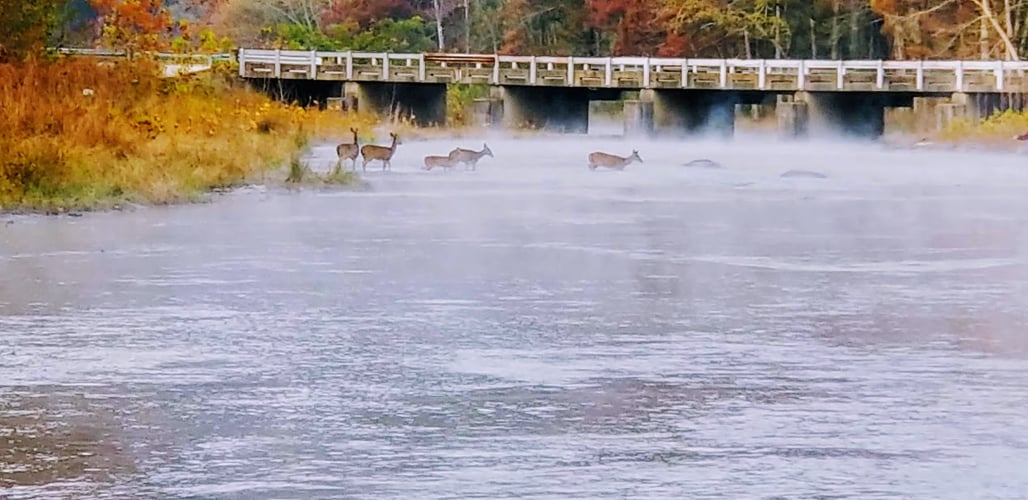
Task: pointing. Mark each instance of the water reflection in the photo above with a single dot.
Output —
(53, 439)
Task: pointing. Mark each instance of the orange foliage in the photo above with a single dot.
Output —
(143, 24)
(636, 23)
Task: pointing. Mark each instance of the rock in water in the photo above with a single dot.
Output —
(703, 163)
(808, 174)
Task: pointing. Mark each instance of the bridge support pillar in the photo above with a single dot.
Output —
(684, 112)
(793, 117)
(638, 116)
(562, 109)
(487, 112)
(854, 114)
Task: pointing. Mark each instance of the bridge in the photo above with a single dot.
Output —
(659, 94)
(172, 65)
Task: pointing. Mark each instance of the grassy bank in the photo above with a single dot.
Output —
(996, 131)
(78, 133)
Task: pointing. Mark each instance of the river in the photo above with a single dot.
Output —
(533, 329)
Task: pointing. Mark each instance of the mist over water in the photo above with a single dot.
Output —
(534, 329)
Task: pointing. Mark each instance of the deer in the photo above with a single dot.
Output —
(433, 161)
(348, 151)
(598, 159)
(372, 152)
(469, 157)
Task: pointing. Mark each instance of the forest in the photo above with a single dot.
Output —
(826, 29)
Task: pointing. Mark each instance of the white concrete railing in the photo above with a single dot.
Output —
(646, 72)
(171, 64)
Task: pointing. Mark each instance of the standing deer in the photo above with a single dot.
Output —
(433, 161)
(348, 151)
(598, 159)
(469, 157)
(371, 152)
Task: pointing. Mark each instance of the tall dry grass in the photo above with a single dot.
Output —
(80, 133)
(996, 130)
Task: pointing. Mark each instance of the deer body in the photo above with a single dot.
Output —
(469, 157)
(598, 159)
(350, 151)
(372, 152)
(438, 161)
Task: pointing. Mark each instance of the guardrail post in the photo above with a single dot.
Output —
(920, 74)
(349, 65)
(646, 73)
(840, 75)
(421, 67)
(724, 74)
(608, 75)
(242, 62)
(278, 63)
(761, 76)
(999, 76)
(531, 71)
(385, 66)
(496, 69)
(314, 65)
(571, 71)
(960, 76)
(880, 75)
(685, 73)
(801, 72)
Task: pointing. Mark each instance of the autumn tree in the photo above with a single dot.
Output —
(137, 24)
(545, 27)
(635, 25)
(25, 26)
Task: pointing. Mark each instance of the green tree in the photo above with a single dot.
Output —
(25, 26)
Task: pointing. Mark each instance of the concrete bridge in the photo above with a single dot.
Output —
(660, 95)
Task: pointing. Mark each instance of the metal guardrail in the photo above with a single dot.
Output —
(641, 72)
(122, 53)
(172, 64)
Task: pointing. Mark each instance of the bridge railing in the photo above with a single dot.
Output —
(641, 72)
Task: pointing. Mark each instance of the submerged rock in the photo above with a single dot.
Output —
(808, 174)
(703, 163)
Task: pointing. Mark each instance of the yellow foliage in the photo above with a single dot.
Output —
(76, 133)
(998, 129)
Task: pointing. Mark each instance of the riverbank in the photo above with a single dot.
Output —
(78, 134)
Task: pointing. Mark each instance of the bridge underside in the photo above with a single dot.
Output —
(563, 109)
(422, 103)
(303, 92)
(661, 112)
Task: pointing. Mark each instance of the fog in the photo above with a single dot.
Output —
(534, 328)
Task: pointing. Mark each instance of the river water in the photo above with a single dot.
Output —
(534, 330)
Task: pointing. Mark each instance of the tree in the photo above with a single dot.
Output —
(25, 26)
(637, 27)
(543, 27)
(137, 24)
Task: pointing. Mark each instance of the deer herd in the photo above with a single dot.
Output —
(458, 156)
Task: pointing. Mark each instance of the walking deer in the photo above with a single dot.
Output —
(433, 161)
(469, 157)
(598, 159)
(372, 152)
(349, 151)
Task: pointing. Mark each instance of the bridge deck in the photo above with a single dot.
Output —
(641, 72)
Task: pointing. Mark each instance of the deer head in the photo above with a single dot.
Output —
(635, 156)
(487, 151)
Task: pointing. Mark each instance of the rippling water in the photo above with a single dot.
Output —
(534, 329)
